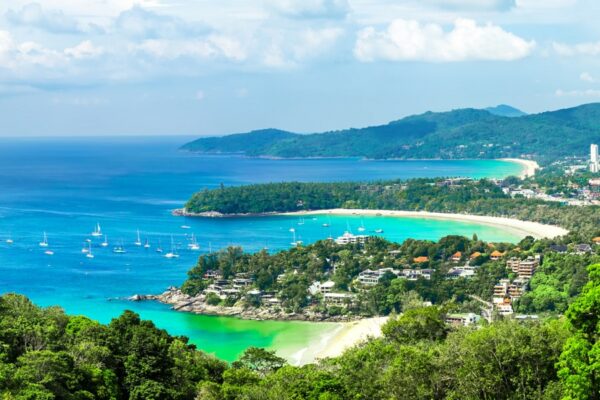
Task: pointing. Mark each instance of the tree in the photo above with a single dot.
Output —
(579, 365)
(425, 323)
(259, 360)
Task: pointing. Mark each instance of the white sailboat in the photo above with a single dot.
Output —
(44, 242)
(89, 253)
(361, 228)
(49, 253)
(105, 243)
(294, 241)
(173, 252)
(97, 231)
(119, 249)
(147, 244)
(193, 245)
(138, 241)
(9, 240)
(159, 248)
(85, 247)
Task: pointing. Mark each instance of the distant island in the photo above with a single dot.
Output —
(496, 132)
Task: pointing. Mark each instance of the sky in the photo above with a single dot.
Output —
(211, 67)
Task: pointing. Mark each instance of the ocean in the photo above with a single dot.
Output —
(65, 186)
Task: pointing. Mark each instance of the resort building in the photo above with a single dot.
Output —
(421, 259)
(461, 272)
(414, 274)
(348, 238)
(370, 278)
(523, 268)
(456, 257)
(326, 287)
(475, 255)
(496, 255)
(338, 299)
(462, 319)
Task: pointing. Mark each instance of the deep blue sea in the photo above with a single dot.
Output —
(64, 186)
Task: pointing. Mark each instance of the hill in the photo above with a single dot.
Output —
(462, 133)
(505, 110)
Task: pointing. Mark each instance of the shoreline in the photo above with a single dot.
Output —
(342, 338)
(528, 166)
(535, 229)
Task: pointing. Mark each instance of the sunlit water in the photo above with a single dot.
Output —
(65, 186)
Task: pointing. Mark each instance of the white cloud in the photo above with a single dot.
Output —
(577, 93)
(544, 4)
(212, 47)
(587, 77)
(54, 21)
(200, 95)
(411, 40)
(141, 23)
(579, 49)
(85, 49)
(332, 9)
(473, 5)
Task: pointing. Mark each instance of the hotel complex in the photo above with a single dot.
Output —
(594, 163)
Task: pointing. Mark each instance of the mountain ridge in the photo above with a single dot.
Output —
(455, 134)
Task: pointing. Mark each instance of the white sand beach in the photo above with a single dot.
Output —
(524, 228)
(529, 166)
(345, 336)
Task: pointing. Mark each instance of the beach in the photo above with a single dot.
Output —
(524, 228)
(339, 339)
(529, 166)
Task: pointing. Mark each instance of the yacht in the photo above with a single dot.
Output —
(159, 248)
(89, 252)
(105, 243)
(49, 253)
(9, 240)
(361, 228)
(44, 242)
(97, 231)
(147, 244)
(119, 249)
(379, 230)
(193, 245)
(185, 227)
(85, 248)
(138, 241)
(173, 252)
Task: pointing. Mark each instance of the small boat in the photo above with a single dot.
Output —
(89, 252)
(159, 248)
(300, 221)
(325, 225)
(193, 245)
(147, 244)
(119, 249)
(361, 228)
(9, 240)
(378, 230)
(292, 230)
(97, 231)
(49, 253)
(185, 227)
(105, 243)
(138, 241)
(85, 248)
(44, 242)
(173, 252)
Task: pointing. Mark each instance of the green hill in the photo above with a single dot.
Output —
(463, 133)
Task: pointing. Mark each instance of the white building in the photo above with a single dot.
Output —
(347, 238)
(594, 160)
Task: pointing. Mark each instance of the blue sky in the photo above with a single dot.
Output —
(200, 67)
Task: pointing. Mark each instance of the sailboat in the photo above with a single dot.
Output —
(328, 223)
(97, 231)
(89, 253)
(173, 252)
(379, 230)
(119, 249)
(49, 253)
(301, 221)
(361, 228)
(9, 240)
(294, 241)
(44, 242)
(147, 244)
(105, 243)
(138, 241)
(193, 245)
(159, 248)
(85, 247)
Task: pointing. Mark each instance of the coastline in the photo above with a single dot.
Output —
(535, 229)
(528, 166)
(344, 337)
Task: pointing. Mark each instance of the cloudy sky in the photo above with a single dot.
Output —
(126, 67)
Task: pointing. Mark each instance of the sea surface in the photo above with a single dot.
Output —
(65, 186)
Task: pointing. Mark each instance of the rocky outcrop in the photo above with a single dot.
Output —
(197, 305)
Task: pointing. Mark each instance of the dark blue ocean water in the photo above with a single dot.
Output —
(64, 186)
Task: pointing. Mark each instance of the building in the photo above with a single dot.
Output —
(594, 160)
(475, 255)
(523, 268)
(326, 287)
(421, 259)
(415, 274)
(370, 278)
(496, 255)
(461, 272)
(348, 238)
(338, 299)
(456, 257)
(462, 319)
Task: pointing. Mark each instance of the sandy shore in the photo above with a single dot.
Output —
(346, 335)
(529, 166)
(523, 228)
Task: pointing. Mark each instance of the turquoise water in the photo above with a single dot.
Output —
(65, 186)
